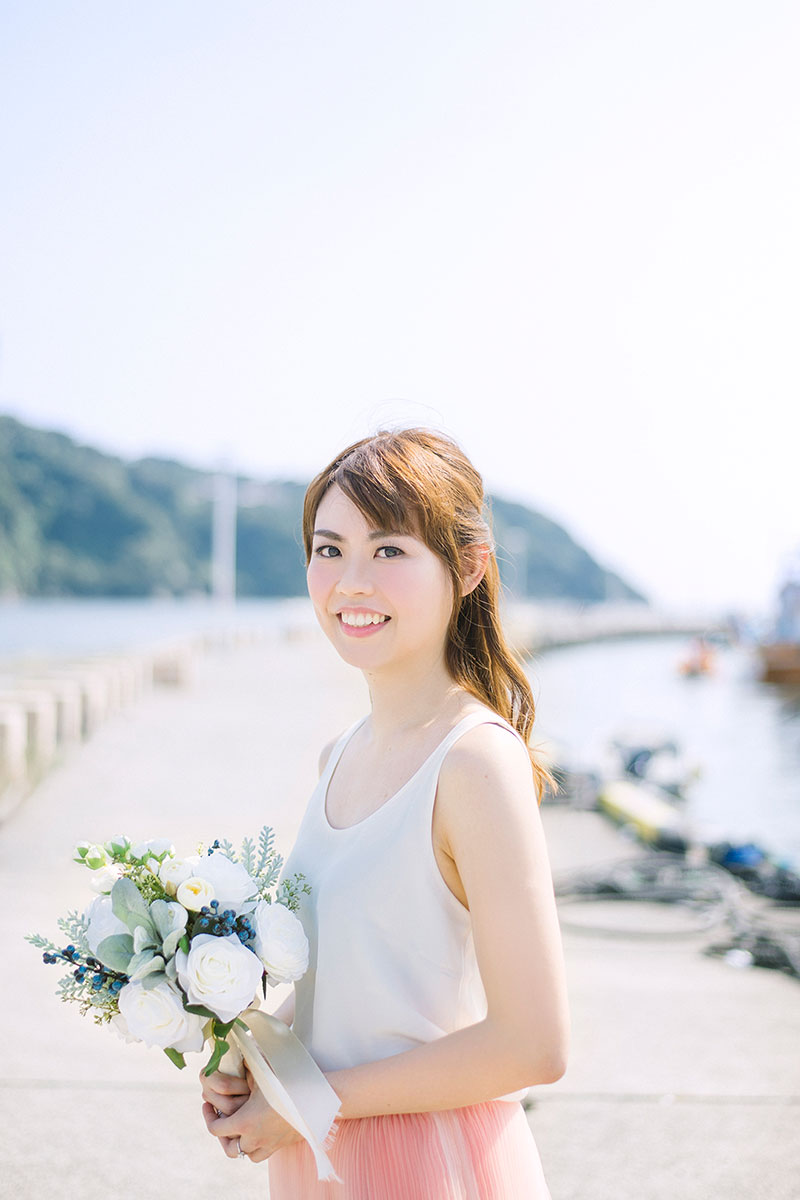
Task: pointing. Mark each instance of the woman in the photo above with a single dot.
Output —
(435, 995)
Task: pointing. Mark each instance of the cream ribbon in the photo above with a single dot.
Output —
(289, 1079)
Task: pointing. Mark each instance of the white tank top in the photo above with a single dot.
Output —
(392, 961)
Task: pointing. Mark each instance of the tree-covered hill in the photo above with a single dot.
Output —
(78, 522)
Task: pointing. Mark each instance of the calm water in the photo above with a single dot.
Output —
(60, 628)
(742, 734)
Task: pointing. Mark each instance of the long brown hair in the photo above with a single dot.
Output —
(419, 481)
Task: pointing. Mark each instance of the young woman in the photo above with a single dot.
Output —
(435, 994)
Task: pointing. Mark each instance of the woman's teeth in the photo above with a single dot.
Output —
(363, 618)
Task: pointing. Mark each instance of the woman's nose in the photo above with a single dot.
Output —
(355, 579)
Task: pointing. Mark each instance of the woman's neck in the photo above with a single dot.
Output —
(412, 700)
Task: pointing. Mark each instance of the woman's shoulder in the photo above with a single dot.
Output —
(487, 761)
(489, 743)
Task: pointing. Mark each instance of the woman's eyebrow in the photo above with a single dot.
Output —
(374, 536)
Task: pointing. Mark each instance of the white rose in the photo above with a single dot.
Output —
(156, 1016)
(157, 847)
(102, 923)
(194, 892)
(172, 872)
(120, 1027)
(280, 942)
(103, 880)
(232, 885)
(219, 973)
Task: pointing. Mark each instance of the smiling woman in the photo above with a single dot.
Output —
(433, 998)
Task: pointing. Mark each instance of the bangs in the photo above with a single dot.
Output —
(395, 493)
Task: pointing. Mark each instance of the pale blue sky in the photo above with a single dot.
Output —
(565, 233)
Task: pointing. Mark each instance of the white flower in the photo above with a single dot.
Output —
(280, 942)
(95, 856)
(157, 847)
(118, 844)
(232, 885)
(172, 872)
(120, 1026)
(194, 892)
(219, 973)
(102, 923)
(104, 878)
(156, 1016)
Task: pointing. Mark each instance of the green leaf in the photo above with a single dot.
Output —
(184, 944)
(200, 1011)
(176, 1057)
(222, 1030)
(220, 1048)
(116, 952)
(128, 905)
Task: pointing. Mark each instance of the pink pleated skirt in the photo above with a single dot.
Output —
(483, 1152)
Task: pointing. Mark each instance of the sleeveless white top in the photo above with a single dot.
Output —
(392, 961)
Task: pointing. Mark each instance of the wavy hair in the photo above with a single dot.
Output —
(419, 481)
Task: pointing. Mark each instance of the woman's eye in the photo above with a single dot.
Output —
(327, 551)
(389, 551)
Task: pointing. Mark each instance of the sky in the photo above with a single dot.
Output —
(564, 233)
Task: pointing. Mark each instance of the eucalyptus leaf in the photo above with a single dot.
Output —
(171, 943)
(143, 939)
(154, 963)
(153, 980)
(140, 960)
(169, 918)
(116, 952)
(128, 905)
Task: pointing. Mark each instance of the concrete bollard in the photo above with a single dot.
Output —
(39, 707)
(13, 760)
(126, 677)
(173, 662)
(67, 695)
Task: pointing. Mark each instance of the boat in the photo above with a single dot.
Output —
(641, 807)
(780, 662)
(780, 653)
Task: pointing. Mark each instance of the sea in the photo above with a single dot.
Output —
(736, 740)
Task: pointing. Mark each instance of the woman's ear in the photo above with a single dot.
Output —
(476, 560)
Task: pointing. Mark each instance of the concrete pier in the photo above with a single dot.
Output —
(46, 706)
(683, 1079)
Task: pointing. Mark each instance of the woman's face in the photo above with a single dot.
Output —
(383, 598)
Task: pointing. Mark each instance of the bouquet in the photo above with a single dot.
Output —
(176, 952)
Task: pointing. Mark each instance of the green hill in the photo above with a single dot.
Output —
(77, 522)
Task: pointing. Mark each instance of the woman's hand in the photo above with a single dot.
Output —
(225, 1093)
(247, 1122)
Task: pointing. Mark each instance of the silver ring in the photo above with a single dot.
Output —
(239, 1151)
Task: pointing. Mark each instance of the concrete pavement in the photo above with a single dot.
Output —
(683, 1079)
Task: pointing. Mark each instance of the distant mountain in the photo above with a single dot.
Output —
(77, 522)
